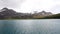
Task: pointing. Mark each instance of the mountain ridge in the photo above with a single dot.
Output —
(6, 13)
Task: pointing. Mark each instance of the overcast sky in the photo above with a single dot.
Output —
(28, 6)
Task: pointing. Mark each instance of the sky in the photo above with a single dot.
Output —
(29, 6)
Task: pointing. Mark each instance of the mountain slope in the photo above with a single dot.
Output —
(56, 16)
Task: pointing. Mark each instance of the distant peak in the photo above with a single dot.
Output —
(5, 8)
(43, 11)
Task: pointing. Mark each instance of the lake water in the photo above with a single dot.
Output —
(37, 26)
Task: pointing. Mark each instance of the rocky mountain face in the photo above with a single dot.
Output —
(9, 13)
(43, 13)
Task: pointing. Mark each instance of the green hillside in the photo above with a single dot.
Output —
(56, 16)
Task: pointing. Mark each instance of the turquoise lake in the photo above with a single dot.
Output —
(32, 26)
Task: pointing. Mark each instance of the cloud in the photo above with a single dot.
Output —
(56, 9)
(10, 3)
(35, 5)
(31, 5)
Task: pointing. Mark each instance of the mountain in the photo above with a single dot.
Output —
(41, 14)
(6, 13)
(55, 16)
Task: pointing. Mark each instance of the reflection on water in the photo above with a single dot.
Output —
(44, 26)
